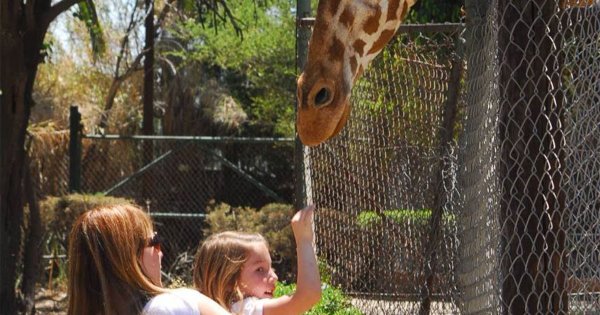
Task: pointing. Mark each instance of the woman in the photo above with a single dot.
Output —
(114, 268)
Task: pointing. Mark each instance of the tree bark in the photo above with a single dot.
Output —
(33, 243)
(533, 239)
(23, 25)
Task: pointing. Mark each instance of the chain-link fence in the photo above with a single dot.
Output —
(390, 175)
(475, 192)
(532, 129)
(175, 178)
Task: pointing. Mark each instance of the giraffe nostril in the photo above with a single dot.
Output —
(323, 97)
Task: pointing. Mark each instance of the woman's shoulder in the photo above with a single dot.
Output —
(181, 301)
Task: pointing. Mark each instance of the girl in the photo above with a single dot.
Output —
(234, 269)
(114, 268)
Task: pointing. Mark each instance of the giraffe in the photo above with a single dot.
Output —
(347, 35)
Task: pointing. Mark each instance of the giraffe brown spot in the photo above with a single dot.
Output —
(359, 47)
(347, 18)
(393, 10)
(404, 11)
(336, 50)
(372, 23)
(381, 41)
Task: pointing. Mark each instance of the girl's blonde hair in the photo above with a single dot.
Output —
(105, 272)
(219, 262)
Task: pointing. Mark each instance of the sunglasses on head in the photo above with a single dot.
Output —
(155, 241)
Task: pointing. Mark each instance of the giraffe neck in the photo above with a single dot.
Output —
(366, 27)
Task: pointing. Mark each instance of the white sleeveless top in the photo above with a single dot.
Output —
(175, 302)
(248, 306)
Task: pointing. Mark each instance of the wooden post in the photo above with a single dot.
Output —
(74, 150)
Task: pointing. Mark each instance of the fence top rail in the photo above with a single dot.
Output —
(201, 139)
(405, 28)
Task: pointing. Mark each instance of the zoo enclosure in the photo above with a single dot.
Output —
(176, 178)
(470, 191)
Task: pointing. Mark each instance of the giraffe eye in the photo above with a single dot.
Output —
(322, 97)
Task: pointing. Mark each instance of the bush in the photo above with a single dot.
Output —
(272, 221)
(59, 213)
(361, 249)
(333, 301)
(419, 217)
(57, 216)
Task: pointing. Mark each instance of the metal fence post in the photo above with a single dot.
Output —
(302, 37)
(74, 150)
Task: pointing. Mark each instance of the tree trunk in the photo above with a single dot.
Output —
(21, 34)
(32, 254)
(533, 238)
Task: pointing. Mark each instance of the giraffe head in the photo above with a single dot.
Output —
(346, 36)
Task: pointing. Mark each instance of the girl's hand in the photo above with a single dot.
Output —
(302, 225)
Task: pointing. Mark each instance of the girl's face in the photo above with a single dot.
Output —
(151, 259)
(257, 278)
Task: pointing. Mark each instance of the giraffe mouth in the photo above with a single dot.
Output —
(317, 125)
(342, 122)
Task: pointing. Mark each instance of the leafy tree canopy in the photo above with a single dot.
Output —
(257, 65)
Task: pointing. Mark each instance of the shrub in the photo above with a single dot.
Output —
(419, 217)
(361, 249)
(272, 221)
(58, 215)
(333, 301)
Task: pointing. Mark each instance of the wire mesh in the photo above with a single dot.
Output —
(174, 179)
(531, 108)
(505, 221)
(170, 175)
(376, 183)
(49, 162)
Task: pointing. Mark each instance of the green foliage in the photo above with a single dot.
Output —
(435, 11)
(333, 301)
(87, 14)
(399, 216)
(272, 221)
(258, 67)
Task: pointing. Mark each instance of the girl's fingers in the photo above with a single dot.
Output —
(305, 215)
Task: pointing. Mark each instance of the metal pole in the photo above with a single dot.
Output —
(302, 37)
(75, 150)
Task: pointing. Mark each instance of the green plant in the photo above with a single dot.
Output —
(333, 301)
(370, 218)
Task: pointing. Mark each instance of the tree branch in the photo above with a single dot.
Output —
(57, 9)
(131, 69)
